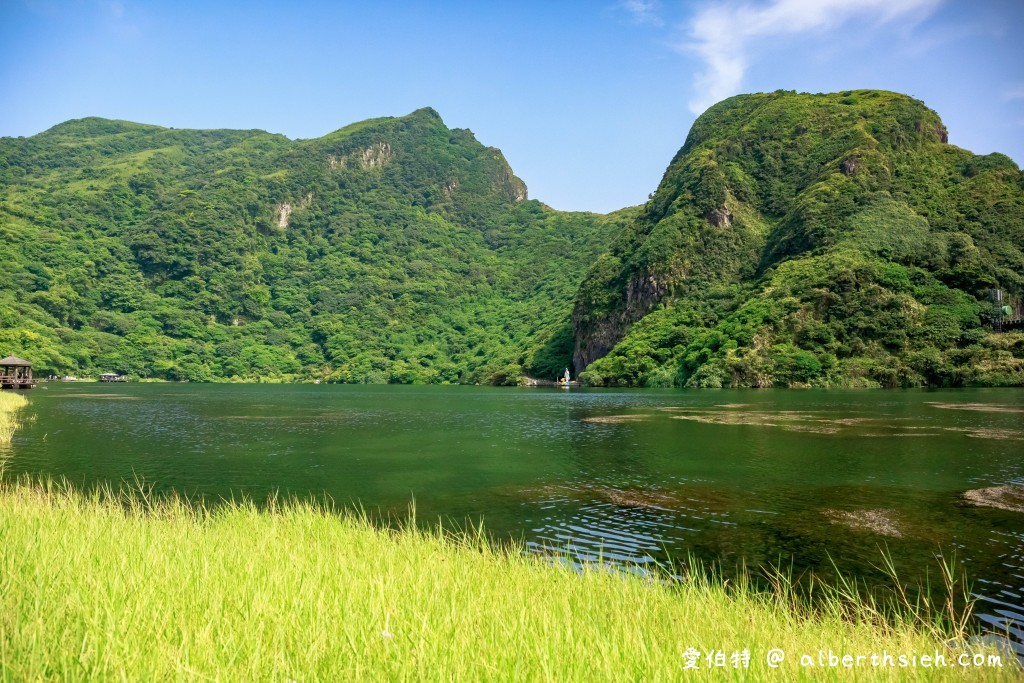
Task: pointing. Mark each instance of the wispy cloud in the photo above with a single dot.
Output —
(118, 19)
(722, 34)
(944, 37)
(1014, 92)
(643, 11)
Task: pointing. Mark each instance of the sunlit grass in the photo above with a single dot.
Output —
(10, 404)
(107, 587)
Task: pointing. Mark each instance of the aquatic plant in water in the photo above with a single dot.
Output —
(10, 405)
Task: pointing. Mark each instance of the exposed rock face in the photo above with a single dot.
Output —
(848, 166)
(284, 210)
(720, 217)
(519, 191)
(595, 337)
(375, 156)
(506, 180)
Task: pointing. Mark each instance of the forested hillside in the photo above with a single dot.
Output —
(795, 240)
(393, 250)
(823, 240)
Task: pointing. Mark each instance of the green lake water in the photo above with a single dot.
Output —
(806, 479)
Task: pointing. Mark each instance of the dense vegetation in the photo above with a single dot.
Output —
(116, 586)
(827, 240)
(824, 240)
(393, 250)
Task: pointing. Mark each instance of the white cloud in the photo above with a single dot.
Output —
(721, 34)
(643, 11)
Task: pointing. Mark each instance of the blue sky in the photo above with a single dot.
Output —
(588, 100)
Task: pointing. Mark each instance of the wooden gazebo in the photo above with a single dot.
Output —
(16, 373)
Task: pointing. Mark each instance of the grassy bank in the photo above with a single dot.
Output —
(10, 405)
(101, 588)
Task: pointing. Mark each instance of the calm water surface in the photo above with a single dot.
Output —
(805, 479)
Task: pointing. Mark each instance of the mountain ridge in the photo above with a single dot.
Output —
(394, 249)
(794, 240)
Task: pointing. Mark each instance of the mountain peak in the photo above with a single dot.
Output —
(790, 206)
(96, 126)
(891, 118)
(425, 112)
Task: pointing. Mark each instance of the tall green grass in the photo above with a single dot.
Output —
(10, 405)
(112, 587)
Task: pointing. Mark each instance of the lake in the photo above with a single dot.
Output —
(809, 480)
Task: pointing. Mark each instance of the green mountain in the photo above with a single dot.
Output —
(393, 250)
(826, 240)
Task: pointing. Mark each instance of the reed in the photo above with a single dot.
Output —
(10, 405)
(114, 586)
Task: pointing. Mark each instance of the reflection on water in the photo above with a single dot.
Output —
(1001, 601)
(613, 524)
(813, 480)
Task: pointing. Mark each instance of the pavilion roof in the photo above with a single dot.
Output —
(14, 360)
